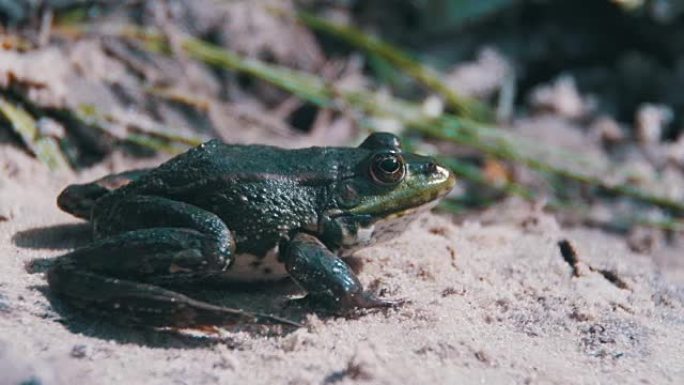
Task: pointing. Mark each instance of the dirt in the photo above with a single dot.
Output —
(490, 300)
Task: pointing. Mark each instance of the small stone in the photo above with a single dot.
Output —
(296, 340)
(562, 98)
(79, 351)
(4, 304)
(482, 77)
(227, 362)
(483, 357)
(5, 214)
(675, 151)
(606, 130)
(651, 119)
(645, 240)
(16, 368)
(363, 366)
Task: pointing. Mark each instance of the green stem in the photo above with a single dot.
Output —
(428, 77)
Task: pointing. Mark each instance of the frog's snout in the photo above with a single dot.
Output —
(440, 176)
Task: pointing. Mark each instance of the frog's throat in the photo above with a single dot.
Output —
(381, 228)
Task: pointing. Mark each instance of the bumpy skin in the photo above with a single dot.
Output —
(200, 215)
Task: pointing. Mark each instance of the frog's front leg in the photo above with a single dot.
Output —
(144, 242)
(325, 277)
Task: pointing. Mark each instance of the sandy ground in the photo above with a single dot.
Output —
(490, 301)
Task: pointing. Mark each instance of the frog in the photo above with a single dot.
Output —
(230, 213)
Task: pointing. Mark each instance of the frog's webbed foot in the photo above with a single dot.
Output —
(346, 306)
(369, 300)
(329, 282)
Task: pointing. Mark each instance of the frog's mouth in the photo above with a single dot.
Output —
(414, 210)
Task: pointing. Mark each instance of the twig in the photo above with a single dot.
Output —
(180, 97)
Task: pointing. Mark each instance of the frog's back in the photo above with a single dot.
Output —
(210, 167)
(236, 163)
(260, 192)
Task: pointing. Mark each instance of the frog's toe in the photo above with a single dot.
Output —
(368, 300)
(327, 304)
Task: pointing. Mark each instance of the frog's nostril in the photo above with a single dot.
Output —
(431, 168)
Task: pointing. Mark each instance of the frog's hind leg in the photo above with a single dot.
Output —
(143, 304)
(79, 199)
(112, 277)
(143, 242)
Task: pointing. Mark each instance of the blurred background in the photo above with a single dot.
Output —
(564, 106)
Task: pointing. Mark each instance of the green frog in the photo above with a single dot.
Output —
(239, 213)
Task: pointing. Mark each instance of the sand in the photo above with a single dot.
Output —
(490, 300)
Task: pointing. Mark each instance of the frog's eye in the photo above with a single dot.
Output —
(387, 168)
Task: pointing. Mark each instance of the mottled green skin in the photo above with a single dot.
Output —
(261, 193)
(190, 219)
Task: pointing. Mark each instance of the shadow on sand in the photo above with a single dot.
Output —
(270, 300)
(273, 298)
(65, 236)
(267, 298)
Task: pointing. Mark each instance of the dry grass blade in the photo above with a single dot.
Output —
(142, 131)
(180, 97)
(46, 149)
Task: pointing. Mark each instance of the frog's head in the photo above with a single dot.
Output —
(389, 183)
(385, 184)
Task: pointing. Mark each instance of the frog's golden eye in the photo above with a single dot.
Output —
(387, 168)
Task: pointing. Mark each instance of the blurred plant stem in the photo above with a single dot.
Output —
(147, 134)
(491, 141)
(446, 127)
(620, 223)
(428, 77)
